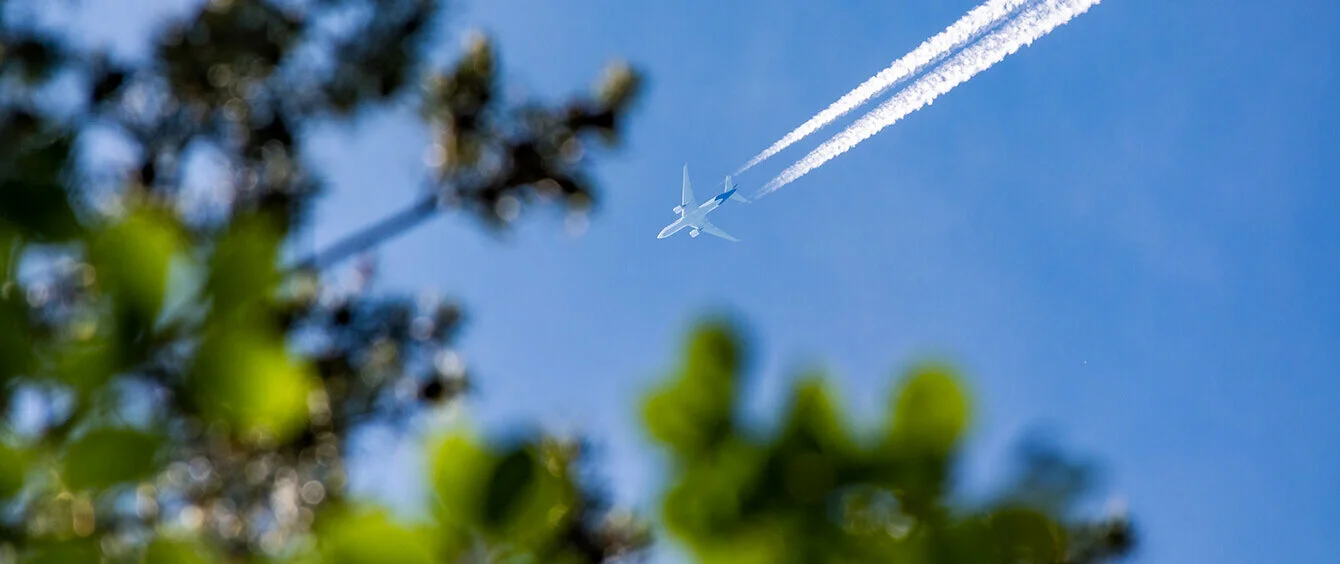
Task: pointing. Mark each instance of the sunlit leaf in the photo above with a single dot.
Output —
(619, 86)
(109, 456)
(252, 382)
(132, 259)
(460, 469)
(374, 538)
(931, 410)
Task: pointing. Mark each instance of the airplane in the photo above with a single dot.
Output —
(694, 216)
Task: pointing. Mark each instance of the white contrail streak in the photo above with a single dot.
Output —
(971, 26)
(1030, 25)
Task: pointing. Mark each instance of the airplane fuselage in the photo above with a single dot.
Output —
(695, 217)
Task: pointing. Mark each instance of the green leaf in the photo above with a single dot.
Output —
(1025, 535)
(815, 420)
(815, 447)
(70, 552)
(373, 538)
(508, 487)
(86, 367)
(460, 469)
(246, 378)
(243, 270)
(535, 504)
(696, 410)
(13, 466)
(109, 456)
(520, 498)
(931, 411)
(16, 356)
(132, 259)
(174, 551)
(707, 500)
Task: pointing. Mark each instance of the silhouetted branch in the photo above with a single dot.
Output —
(371, 236)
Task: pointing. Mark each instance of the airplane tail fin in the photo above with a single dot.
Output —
(730, 185)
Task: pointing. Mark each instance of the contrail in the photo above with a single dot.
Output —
(971, 26)
(1030, 25)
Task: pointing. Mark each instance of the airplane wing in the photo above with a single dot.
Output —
(686, 197)
(710, 229)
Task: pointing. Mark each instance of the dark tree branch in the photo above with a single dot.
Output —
(371, 236)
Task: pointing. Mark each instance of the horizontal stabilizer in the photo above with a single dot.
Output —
(730, 185)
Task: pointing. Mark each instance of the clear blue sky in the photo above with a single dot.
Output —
(1129, 232)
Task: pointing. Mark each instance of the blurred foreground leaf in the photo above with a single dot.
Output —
(244, 269)
(132, 257)
(512, 479)
(172, 551)
(62, 553)
(523, 500)
(252, 383)
(692, 413)
(110, 456)
(372, 538)
(931, 411)
(460, 467)
(12, 468)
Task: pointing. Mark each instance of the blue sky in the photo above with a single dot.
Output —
(1126, 232)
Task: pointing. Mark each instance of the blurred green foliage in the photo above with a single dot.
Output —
(520, 501)
(12, 467)
(817, 491)
(371, 537)
(132, 257)
(172, 388)
(166, 550)
(102, 458)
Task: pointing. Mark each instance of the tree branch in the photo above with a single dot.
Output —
(371, 236)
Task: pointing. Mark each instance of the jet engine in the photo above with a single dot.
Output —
(679, 209)
(693, 233)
